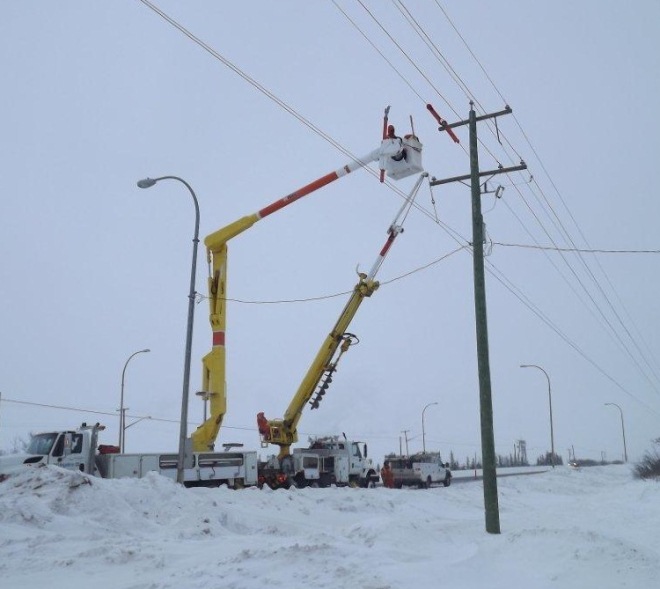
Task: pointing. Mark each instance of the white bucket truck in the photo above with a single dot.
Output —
(79, 450)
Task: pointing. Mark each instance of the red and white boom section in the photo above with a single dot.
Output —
(399, 157)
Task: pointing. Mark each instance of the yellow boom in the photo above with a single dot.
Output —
(283, 432)
(399, 157)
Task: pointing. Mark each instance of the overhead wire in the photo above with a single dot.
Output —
(281, 103)
(292, 111)
(426, 39)
(106, 413)
(176, 421)
(338, 294)
(569, 249)
(410, 60)
(562, 229)
(373, 45)
(554, 219)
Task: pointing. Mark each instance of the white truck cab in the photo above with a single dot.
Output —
(67, 449)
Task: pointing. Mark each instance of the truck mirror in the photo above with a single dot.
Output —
(68, 444)
(365, 450)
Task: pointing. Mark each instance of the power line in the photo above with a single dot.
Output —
(571, 249)
(366, 38)
(325, 136)
(430, 83)
(282, 104)
(339, 294)
(107, 413)
(562, 230)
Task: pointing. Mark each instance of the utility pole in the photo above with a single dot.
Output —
(405, 434)
(485, 398)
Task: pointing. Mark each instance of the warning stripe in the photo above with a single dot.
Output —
(218, 338)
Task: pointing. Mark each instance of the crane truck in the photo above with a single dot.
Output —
(297, 467)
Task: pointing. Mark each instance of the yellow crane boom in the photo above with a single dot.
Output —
(399, 157)
(283, 432)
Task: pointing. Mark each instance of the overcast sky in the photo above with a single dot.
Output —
(98, 95)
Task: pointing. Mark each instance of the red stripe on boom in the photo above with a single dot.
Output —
(294, 196)
(388, 244)
(218, 338)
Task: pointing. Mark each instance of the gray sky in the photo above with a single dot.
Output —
(98, 95)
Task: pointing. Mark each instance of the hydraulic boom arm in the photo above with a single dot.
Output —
(400, 157)
(283, 432)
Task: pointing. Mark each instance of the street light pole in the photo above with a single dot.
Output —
(423, 432)
(623, 431)
(552, 434)
(138, 420)
(183, 434)
(122, 409)
(405, 433)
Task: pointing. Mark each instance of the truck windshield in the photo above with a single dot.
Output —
(41, 444)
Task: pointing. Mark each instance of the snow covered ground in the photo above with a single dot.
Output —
(594, 527)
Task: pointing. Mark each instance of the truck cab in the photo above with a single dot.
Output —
(421, 470)
(67, 449)
(332, 460)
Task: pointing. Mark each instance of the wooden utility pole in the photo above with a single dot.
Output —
(485, 398)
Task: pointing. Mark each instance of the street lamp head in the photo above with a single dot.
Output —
(145, 350)
(146, 183)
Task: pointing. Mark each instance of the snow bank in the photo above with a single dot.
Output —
(563, 528)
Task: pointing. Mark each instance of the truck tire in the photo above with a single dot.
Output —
(425, 484)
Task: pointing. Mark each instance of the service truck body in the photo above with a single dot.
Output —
(332, 460)
(79, 450)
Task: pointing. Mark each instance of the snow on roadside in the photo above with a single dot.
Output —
(564, 528)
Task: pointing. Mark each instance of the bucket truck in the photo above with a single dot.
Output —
(399, 157)
(80, 450)
(283, 432)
